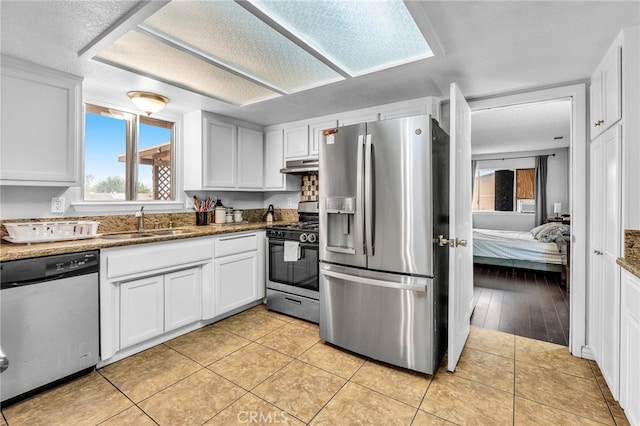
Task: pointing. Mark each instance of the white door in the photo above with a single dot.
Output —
(460, 233)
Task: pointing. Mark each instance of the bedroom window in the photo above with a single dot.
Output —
(510, 190)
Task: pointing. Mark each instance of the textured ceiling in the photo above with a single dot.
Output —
(489, 48)
(520, 127)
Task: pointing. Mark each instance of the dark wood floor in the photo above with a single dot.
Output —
(526, 303)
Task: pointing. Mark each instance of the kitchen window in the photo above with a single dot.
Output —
(504, 190)
(127, 156)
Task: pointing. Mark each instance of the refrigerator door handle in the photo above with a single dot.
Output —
(369, 190)
(359, 218)
(371, 281)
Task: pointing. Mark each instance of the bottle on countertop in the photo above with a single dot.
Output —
(269, 215)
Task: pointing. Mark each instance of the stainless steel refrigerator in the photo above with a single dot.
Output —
(384, 200)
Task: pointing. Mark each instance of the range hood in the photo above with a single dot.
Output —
(301, 167)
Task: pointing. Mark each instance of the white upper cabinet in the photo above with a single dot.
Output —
(423, 106)
(250, 158)
(315, 133)
(41, 126)
(274, 161)
(220, 154)
(606, 91)
(296, 142)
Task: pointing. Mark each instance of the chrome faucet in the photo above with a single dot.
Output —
(140, 216)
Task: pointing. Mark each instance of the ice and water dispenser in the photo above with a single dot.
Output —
(341, 228)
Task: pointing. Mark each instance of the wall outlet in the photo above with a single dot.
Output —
(289, 202)
(188, 203)
(57, 204)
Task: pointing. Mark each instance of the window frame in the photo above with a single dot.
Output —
(177, 204)
(515, 199)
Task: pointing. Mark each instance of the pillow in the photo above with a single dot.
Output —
(535, 231)
(551, 233)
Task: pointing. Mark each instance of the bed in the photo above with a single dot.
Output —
(541, 249)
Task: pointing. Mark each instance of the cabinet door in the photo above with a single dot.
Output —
(296, 142)
(612, 87)
(183, 298)
(250, 158)
(595, 96)
(273, 159)
(236, 281)
(596, 238)
(316, 136)
(630, 348)
(41, 126)
(141, 310)
(611, 250)
(220, 155)
(605, 237)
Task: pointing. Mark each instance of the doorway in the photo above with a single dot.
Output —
(520, 282)
(576, 203)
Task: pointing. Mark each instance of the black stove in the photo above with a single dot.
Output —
(292, 266)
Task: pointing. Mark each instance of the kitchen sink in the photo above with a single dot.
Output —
(128, 236)
(172, 232)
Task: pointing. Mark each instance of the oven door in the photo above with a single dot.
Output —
(301, 274)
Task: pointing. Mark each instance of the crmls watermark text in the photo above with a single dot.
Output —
(262, 417)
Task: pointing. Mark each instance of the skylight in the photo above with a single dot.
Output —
(359, 36)
(247, 52)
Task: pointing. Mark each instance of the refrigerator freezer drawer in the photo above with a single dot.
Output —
(386, 321)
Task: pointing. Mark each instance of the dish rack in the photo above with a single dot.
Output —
(31, 232)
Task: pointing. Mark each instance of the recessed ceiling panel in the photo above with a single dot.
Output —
(229, 34)
(144, 54)
(359, 36)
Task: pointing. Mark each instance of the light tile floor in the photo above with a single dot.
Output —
(263, 367)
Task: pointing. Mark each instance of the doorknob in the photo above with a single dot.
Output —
(441, 241)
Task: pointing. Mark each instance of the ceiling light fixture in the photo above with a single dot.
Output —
(148, 102)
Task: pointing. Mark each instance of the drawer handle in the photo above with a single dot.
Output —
(297, 302)
(238, 237)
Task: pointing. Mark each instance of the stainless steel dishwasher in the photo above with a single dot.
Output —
(50, 314)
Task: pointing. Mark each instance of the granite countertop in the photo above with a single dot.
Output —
(631, 259)
(12, 251)
(630, 264)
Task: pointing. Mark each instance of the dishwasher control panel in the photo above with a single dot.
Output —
(21, 272)
(73, 263)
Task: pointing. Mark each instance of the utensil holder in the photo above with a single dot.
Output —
(202, 218)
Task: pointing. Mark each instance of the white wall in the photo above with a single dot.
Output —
(557, 188)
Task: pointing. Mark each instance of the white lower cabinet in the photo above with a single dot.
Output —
(141, 310)
(182, 298)
(630, 347)
(238, 270)
(149, 290)
(236, 281)
(155, 305)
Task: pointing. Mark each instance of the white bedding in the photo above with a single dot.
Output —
(514, 245)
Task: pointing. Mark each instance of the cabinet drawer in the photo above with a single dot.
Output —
(121, 262)
(234, 244)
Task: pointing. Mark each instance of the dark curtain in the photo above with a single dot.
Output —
(474, 170)
(541, 188)
(504, 190)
